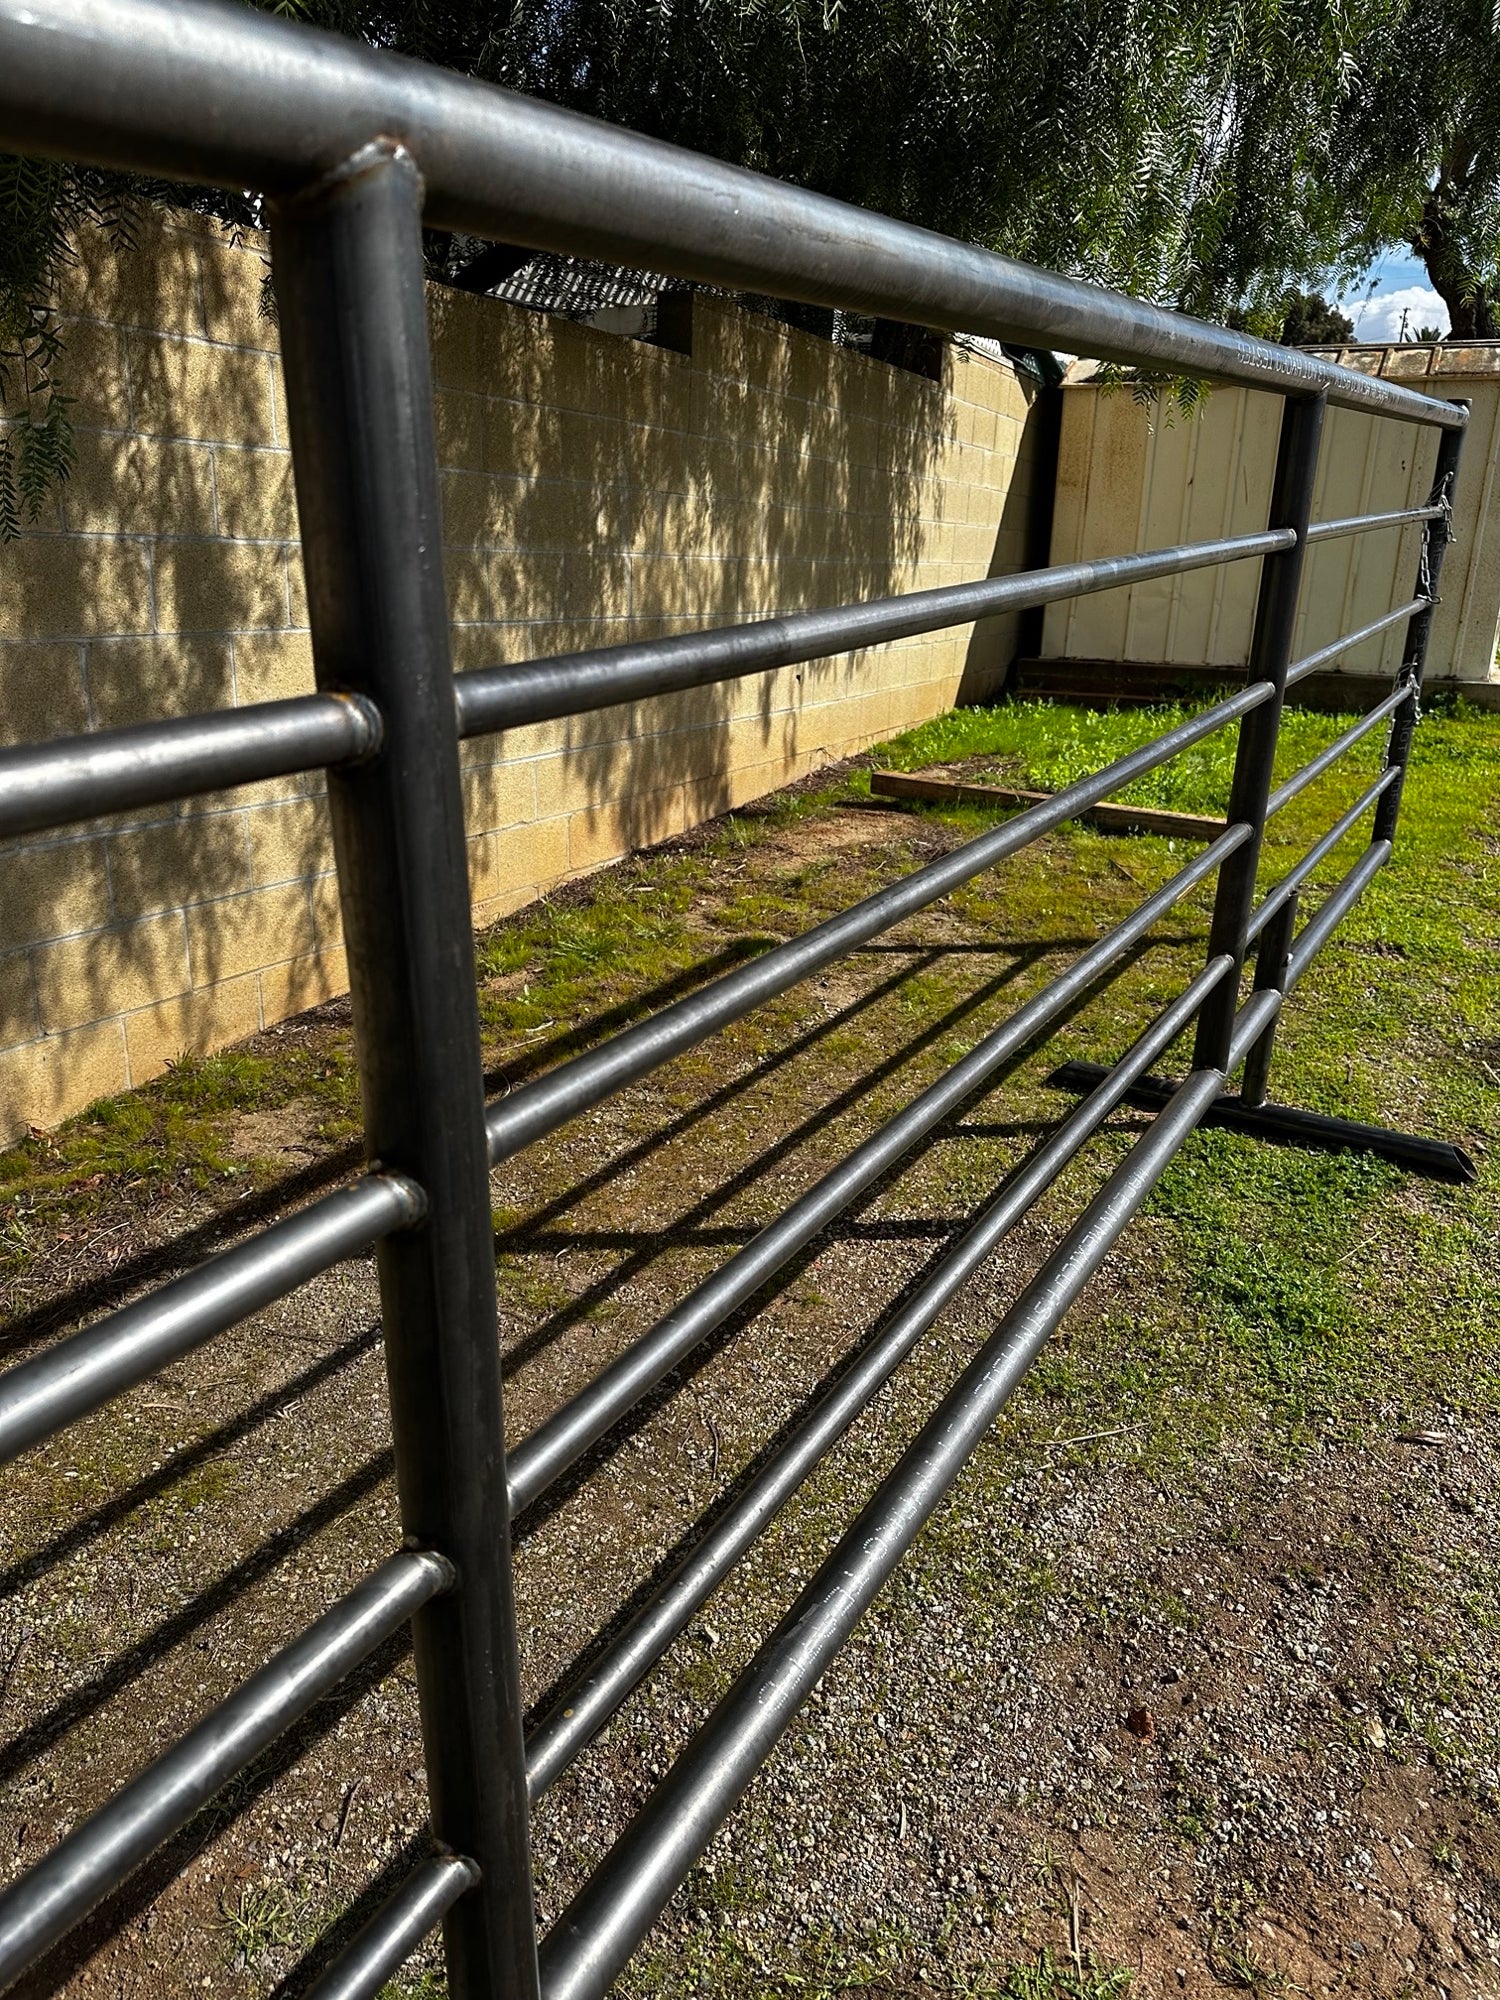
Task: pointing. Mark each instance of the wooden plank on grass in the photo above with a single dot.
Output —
(1110, 817)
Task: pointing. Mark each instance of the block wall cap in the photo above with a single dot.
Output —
(1412, 358)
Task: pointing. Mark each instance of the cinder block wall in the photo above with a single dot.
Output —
(595, 489)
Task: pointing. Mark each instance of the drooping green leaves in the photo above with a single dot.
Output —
(1218, 155)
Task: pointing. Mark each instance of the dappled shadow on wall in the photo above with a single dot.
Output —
(595, 489)
(163, 579)
(598, 489)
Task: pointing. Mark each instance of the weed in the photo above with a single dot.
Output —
(1245, 1971)
(1051, 1979)
(267, 1917)
(416, 1986)
(1047, 745)
(824, 1964)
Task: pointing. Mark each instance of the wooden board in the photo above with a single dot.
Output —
(1111, 818)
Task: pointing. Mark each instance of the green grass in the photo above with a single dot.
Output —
(173, 1137)
(1311, 1274)
(714, 1963)
(264, 1918)
(1047, 745)
(1280, 1255)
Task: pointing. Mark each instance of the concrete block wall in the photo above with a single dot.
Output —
(595, 489)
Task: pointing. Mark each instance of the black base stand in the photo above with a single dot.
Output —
(1284, 1126)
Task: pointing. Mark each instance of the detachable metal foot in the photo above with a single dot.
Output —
(1284, 1126)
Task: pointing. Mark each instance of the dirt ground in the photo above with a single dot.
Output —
(1189, 1687)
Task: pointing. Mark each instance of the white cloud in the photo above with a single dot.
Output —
(1380, 318)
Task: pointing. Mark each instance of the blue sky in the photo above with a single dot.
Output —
(1395, 285)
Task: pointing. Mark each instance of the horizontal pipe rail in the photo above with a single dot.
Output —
(91, 1862)
(1327, 758)
(584, 1710)
(45, 785)
(561, 1440)
(1300, 669)
(83, 1371)
(1341, 900)
(397, 1928)
(238, 99)
(493, 698)
(1318, 853)
(596, 1934)
(1359, 524)
(527, 1114)
(1251, 1022)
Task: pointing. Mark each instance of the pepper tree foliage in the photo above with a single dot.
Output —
(41, 205)
(1419, 157)
(1215, 155)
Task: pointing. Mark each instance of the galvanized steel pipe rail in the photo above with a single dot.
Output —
(388, 1940)
(83, 1371)
(541, 1458)
(1326, 655)
(1359, 524)
(593, 1939)
(66, 1884)
(357, 150)
(494, 698)
(44, 785)
(579, 1714)
(1318, 853)
(537, 1108)
(1326, 758)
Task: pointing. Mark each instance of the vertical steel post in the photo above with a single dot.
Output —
(347, 258)
(1270, 655)
(1435, 542)
(1271, 959)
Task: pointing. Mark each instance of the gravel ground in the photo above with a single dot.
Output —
(1155, 1696)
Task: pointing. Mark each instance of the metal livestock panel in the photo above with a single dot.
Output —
(355, 150)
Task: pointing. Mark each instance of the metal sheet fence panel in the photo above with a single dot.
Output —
(357, 149)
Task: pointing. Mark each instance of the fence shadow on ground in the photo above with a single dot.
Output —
(118, 1518)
